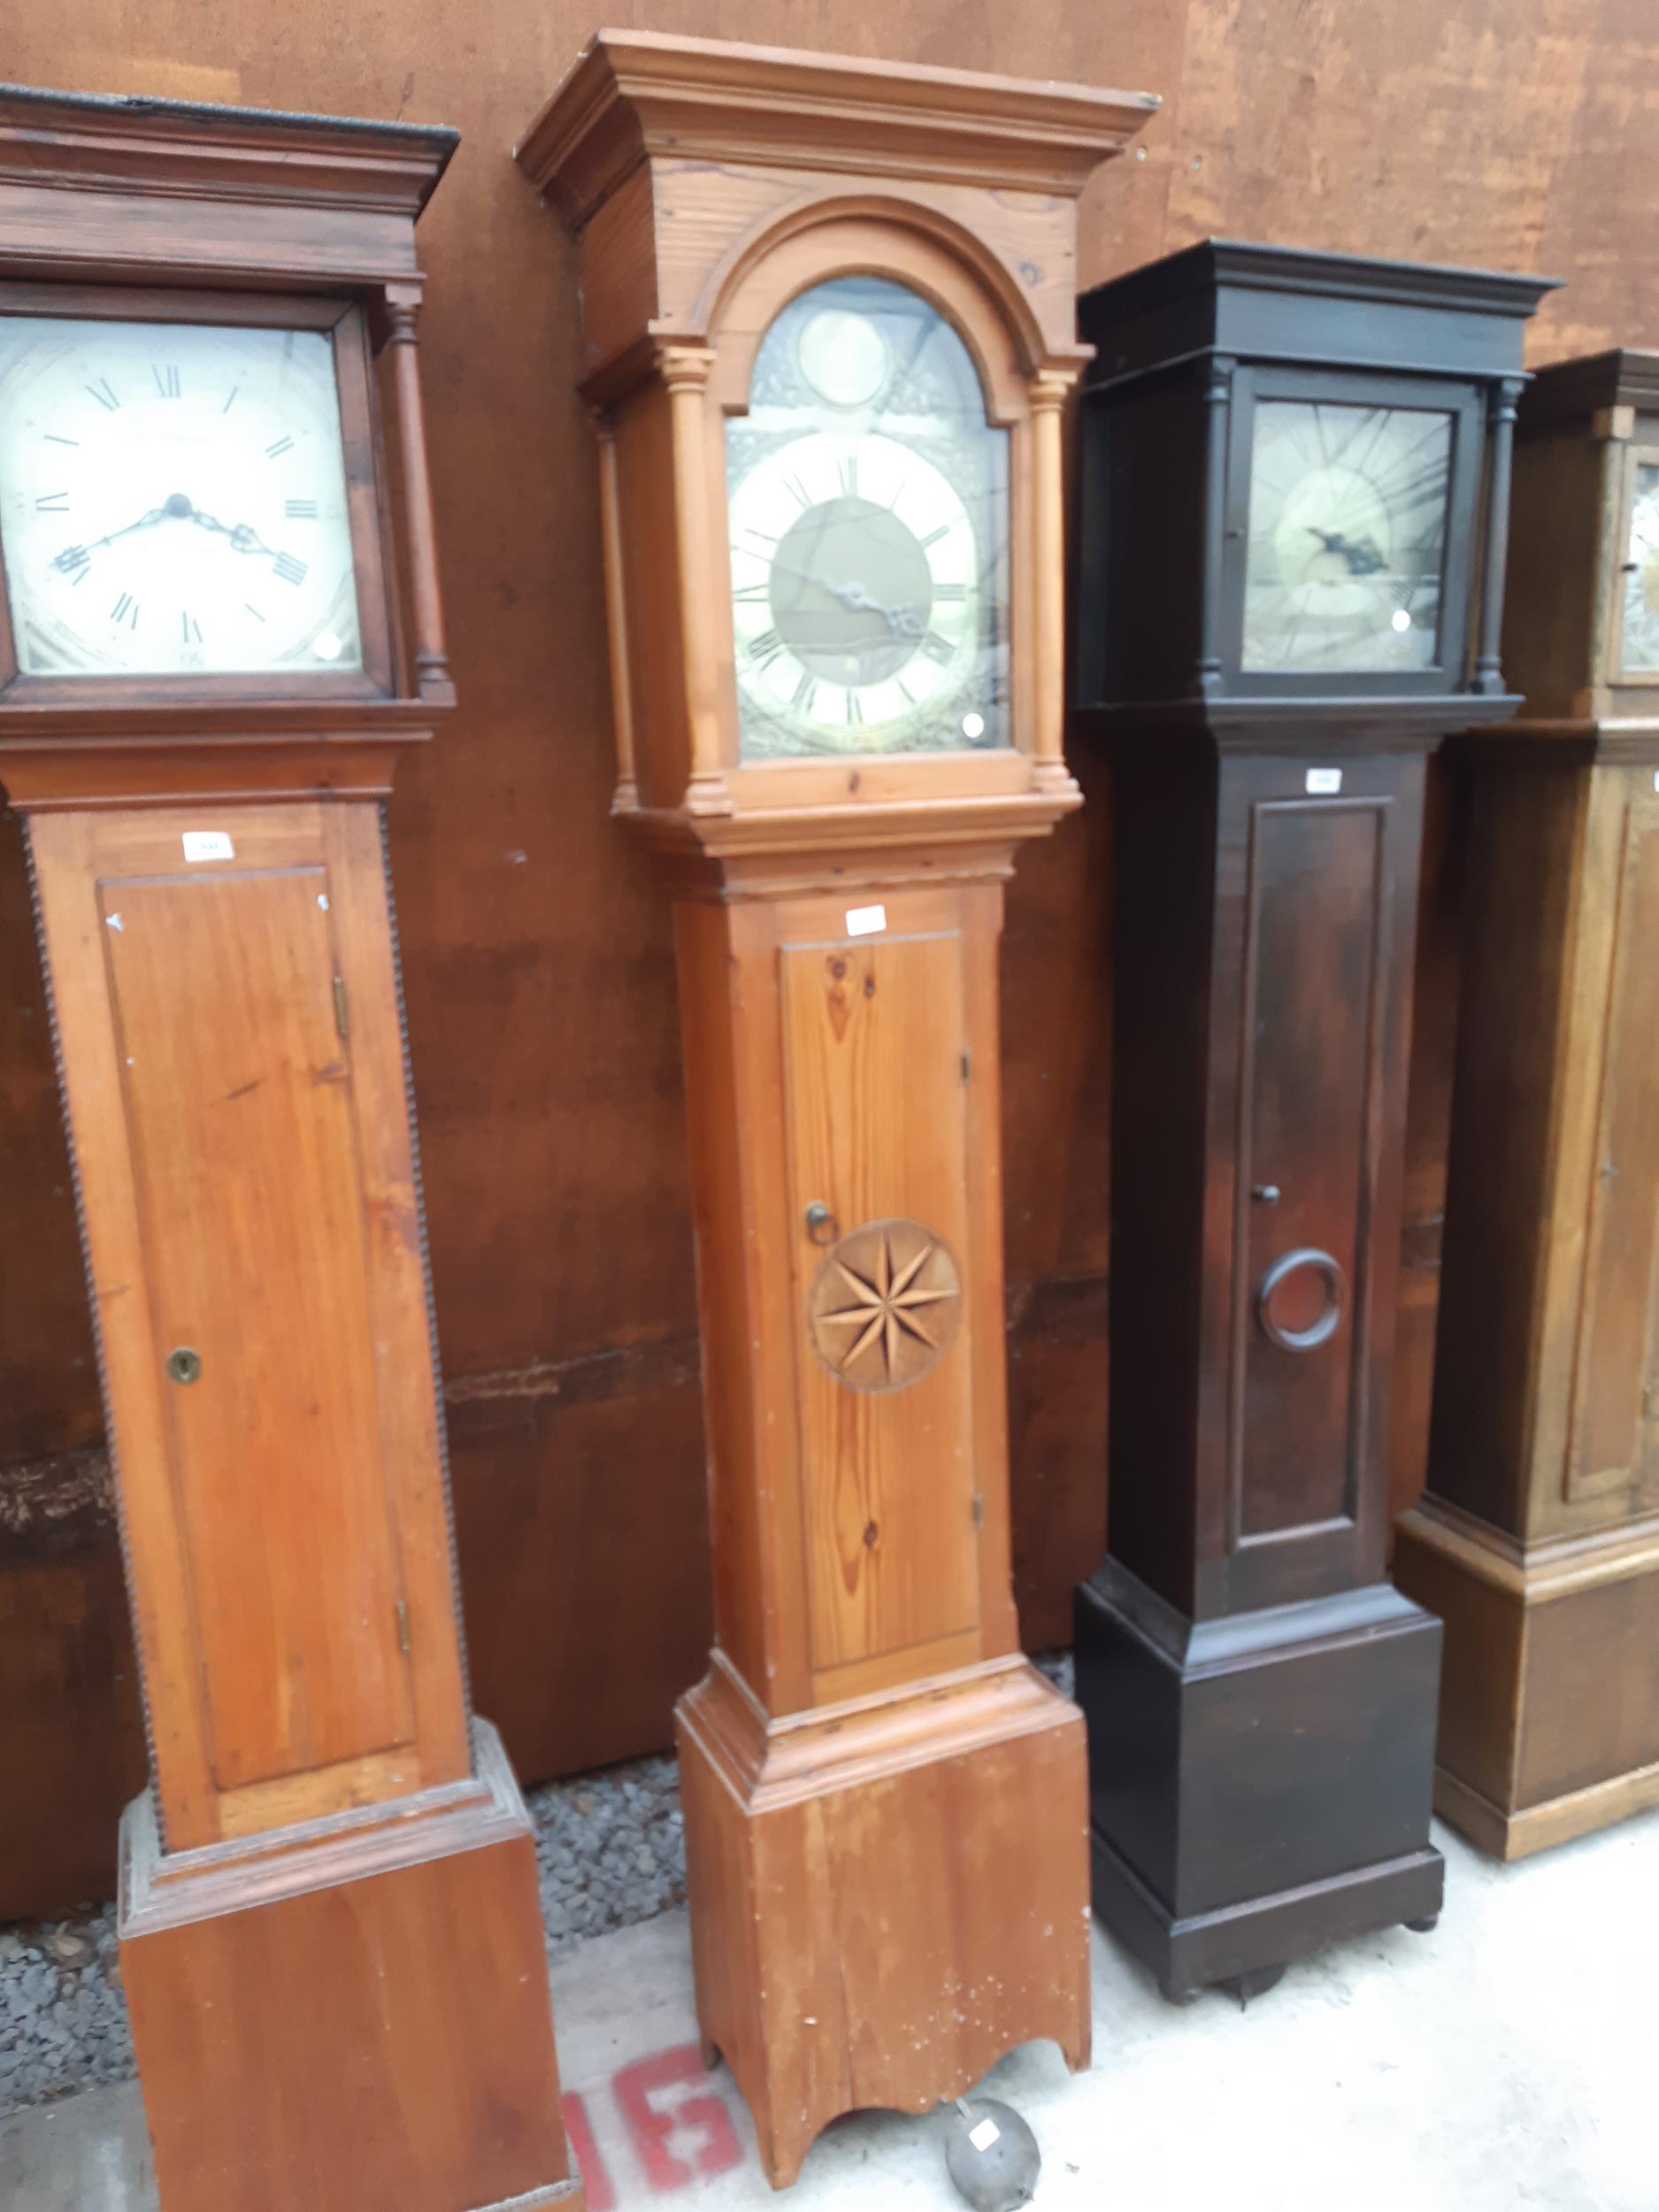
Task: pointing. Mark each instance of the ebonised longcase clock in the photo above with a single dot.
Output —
(1538, 1541)
(1295, 474)
(828, 324)
(331, 1944)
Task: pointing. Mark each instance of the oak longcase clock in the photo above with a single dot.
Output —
(1538, 1541)
(828, 326)
(331, 1945)
(1294, 469)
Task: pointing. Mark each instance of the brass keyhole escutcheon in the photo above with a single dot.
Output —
(184, 1364)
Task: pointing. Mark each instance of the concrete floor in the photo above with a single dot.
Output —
(1509, 2060)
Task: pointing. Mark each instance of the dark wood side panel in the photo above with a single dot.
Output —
(1164, 896)
(1520, 864)
(1614, 1419)
(1594, 1656)
(1434, 1011)
(1550, 606)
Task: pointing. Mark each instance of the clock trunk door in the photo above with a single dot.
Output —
(238, 1101)
(874, 1037)
(1319, 1104)
(1614, 1441)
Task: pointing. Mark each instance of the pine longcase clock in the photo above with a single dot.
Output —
(828, 330)
(1538, 1541)
(1295, 471)
(330, 1940)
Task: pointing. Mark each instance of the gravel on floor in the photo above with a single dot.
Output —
(610, 1851)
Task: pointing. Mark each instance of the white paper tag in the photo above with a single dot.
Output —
(1323, 782)
(864, 921)
(208, 845)
(986, 2134)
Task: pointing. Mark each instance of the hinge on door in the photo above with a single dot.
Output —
(967, 1067)
(979, 1510)
(403, 1625)
(340, 1004)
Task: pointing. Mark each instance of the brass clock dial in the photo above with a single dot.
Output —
(1347, 539)
(172, 499)
(868, 504)
(1638, 637)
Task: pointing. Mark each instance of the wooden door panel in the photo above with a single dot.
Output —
(874, 1035)
(1309, 1070)
(237, 1097)
(1616, 1362)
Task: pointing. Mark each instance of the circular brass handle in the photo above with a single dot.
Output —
(1316, 1332)
(184, 1364)
(820, 1222)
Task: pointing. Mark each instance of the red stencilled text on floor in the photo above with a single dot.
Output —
(676, 2127)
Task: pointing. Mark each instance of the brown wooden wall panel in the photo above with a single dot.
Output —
(538, 956)
(71, 1726)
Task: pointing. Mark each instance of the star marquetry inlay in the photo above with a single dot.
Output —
(884, 1305)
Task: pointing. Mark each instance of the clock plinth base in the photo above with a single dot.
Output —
(1550, 1705)
(876, 1915)
(349, 2014)
(1259, 1785)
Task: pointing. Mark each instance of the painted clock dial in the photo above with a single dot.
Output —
(1639, 636)
(868, 506)
(172, 499)
(1347, 539)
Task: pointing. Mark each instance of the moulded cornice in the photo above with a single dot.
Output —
(1242, 266)
(270, 194)
(638, 95)
(1564, 390)
(205, 152)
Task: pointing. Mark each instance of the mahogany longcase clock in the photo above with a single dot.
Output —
(1538, 1541)
(828, 331)
(331, 1945)
(1295, 471)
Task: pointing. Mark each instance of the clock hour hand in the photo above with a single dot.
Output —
(1364, 559)
(901, 621)
(244, 537)
(856, 597)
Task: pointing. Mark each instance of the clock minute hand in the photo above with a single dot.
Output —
(73, 556)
